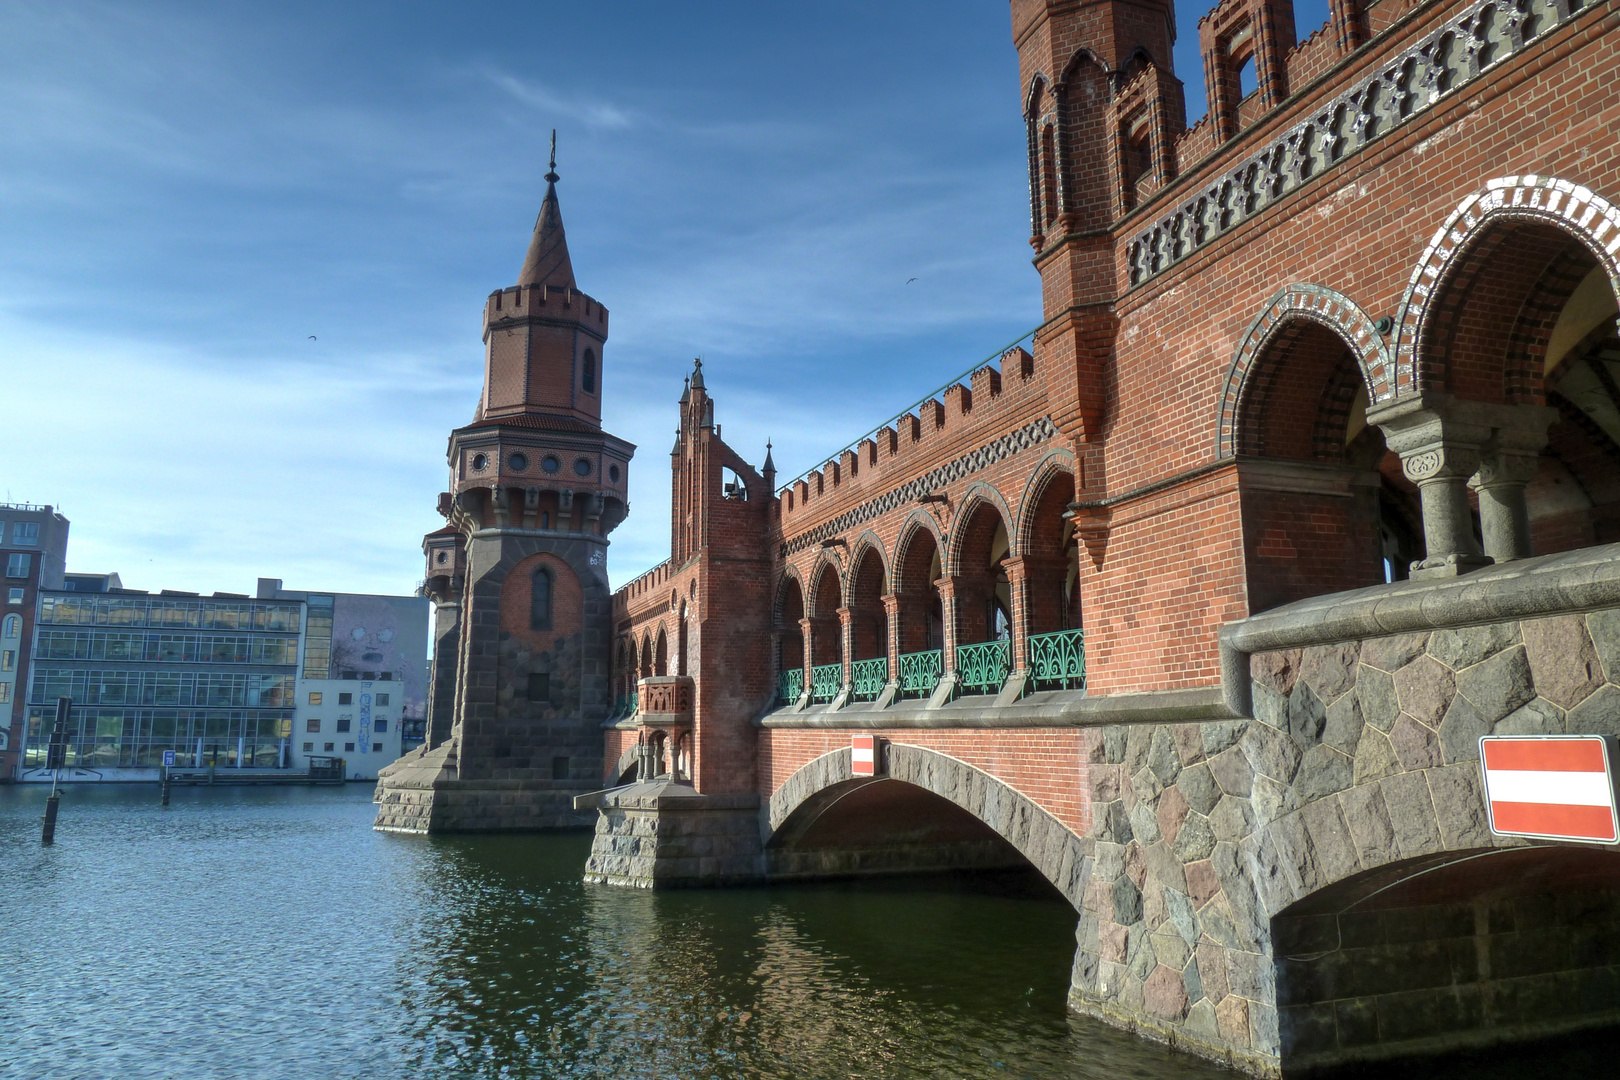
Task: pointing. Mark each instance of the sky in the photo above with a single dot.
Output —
(244, 249)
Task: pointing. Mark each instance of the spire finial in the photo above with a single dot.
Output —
(697, 374)
(551, 169)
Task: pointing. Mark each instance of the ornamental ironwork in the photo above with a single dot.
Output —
(868, 677)
(1057, 661)
(920, 672)
(1409, 83)
(825, 679)
(790, 685)
(982, 668)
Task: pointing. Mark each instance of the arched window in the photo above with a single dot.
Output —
(587, 376)
(540, 600)
(13, 626)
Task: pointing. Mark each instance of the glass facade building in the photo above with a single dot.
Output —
(210, 677)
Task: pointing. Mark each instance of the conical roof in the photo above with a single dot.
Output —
(547, 262)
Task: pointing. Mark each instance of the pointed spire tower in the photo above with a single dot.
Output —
(523, 631)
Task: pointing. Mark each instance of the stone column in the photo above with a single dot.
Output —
(891, 648)
(946, 690)
(1439, 451)
(1509, 463)
(807, 631)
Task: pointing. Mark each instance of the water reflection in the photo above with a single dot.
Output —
(273, 934)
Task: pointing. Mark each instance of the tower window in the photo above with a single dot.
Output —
(587, 377)
(540, 600)
(583, 466)
(539, 686)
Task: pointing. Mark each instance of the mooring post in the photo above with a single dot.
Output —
(56, 761)
(165, 785)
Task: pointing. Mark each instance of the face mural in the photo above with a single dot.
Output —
(383, 633)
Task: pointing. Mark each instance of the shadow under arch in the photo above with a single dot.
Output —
(1452, 949)
(824, 820)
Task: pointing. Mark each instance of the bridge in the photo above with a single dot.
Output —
(1201, 603)
(1197, 599)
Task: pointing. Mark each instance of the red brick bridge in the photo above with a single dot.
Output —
(1200, 597)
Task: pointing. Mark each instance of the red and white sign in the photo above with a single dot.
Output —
(863, 755)
(1553, 787)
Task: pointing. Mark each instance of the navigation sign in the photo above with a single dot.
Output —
(168, 759)
(1552, 787)
(863, 754)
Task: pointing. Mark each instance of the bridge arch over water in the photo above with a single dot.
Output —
(824, 819)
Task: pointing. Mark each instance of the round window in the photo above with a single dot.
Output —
(613, 473)
(478, 462)
(443, 556)
(518, 462)
(550, 463)
(583, 466)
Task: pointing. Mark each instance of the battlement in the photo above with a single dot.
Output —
(988, 399)
(544, 301)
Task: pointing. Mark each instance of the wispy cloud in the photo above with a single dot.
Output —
(593, 114)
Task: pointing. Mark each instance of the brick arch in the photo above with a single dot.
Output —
(1039, 85)
(827, 563)
(978, 494)
(1054, 464)
(867, 541)
(1283, 315)
(917, 520)
(1546, 200)
(789, 574)
(1049, 846)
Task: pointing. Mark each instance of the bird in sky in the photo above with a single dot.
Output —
(312, 337)
(909, 280)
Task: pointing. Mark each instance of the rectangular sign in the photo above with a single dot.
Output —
(863, 755)
(1551, 787)
(168, 759)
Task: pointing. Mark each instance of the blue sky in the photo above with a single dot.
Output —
(189, 191)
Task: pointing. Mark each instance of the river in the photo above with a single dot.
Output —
(271, 933)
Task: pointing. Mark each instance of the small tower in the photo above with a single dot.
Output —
(519, 573)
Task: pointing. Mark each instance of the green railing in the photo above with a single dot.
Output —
(1058, 661)
(920, 671)
(790, 685)
(825, 679)
(982, 668)
(868, 677)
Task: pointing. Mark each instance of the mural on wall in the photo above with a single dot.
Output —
(383, 633)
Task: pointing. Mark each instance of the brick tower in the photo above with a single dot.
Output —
(519, 573)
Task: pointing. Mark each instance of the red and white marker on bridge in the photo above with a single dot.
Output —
(863, 755)
(1551, 787)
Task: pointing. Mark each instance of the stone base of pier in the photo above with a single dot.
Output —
(423, 793)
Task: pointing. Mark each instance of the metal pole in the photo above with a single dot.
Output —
(165, 785)
(56, 759)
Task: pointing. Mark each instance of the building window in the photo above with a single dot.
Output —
(5, 692)
(345, 699)
(17, 565)
(12, 626)
(328, 748)
(583, 466)
(539, 686)
(386, 676)
(308, 747)
(550, 463)
(313, 724)
(25, 533)
(518, 462)
(314, 697)
(382, 699)
(376, 747)
(539, 600)
(382, 725)
(8, 660)
(348, 747)
(15, 596)
(559, 768)
(587, 378)
(343, 723)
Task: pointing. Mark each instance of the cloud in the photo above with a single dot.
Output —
(592, 114)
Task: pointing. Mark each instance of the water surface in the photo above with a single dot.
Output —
(271, 933)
